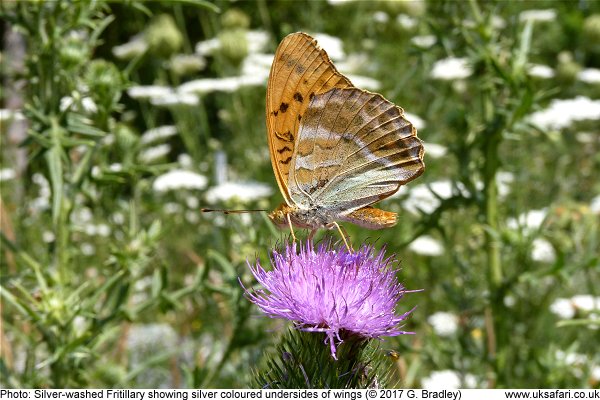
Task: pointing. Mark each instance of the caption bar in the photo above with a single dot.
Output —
(352, 394)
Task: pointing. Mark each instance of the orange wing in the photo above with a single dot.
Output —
(300, 70)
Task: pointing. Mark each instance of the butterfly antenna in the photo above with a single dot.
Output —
(344, 236)
(230, 211)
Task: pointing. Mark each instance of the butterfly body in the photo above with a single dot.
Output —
(335, 149)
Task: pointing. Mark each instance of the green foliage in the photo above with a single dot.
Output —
(302, 360)
(108, 281)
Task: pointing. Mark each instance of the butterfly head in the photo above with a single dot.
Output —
(280, 216)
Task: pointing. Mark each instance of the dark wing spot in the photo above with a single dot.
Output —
(298, 97)
(275, 112)
(286, 136)
(311, 96)
(287, 160)
(305, 81)
(285, 148)
(392, 112)
(289, 136)
(299, 117)
(283, 107)
(300, 69)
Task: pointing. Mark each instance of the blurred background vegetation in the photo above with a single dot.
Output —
(120, 120)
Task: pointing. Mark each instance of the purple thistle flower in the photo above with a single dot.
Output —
(333, 291)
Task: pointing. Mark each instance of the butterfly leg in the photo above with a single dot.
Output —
(289, 220)
(344, 235)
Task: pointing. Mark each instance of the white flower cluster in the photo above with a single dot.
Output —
(179, 179)
(241, 191)
(451, 68)
(443, 323)
(448, 379)
(568, 308)
(562, 113)
(426, 246)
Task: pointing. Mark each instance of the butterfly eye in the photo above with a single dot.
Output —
(278, 218)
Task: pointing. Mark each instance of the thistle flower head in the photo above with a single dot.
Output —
(331, 290)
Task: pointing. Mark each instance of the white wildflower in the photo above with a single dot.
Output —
(176, 99)
(451, 68)
(562, 113)
(589, 75)
(470, 381)
(103, 230)
(7, 174)
(89, 105)
(158, 133)
(257, 41)
(179, 179)
(338, 2)
(595, 205)
(228, 84)
(498, 22)
(364, 82)
(434, 150)
(192, 216)
(242, 191)
(563, 308)
(503, 181)
(510, 301)
(81, 216)
(185, 160)
(331, 44)
(187, 63)
(85, 104)
(148, 92)
(381, 17)
(87, 249)
(417, 121)
(571, 358)
(595, 373)
(543, 251)
(108, 140)
(406, 21)
(135, 47)
(257, 65)
(424, 41)
(529, 221)
(208, 46)
(538, 15)
(421, 197)
(586, 302)
(192, 202)
(427, 246)
(172, 208)
(540, 71)
(48, 237)
(443, 323)
(115, 167)
(118, 218)
(446, 379)
(154, 153)
(8, 115)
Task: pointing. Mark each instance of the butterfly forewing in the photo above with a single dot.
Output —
(354, 148)
(300, 71)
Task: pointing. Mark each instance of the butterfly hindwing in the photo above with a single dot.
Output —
(300, 71)
(353, 149)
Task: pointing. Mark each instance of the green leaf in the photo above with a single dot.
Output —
(201, 3)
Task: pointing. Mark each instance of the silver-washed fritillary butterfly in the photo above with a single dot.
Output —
(335, 149)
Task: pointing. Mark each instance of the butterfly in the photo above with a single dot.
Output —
(335, 149)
